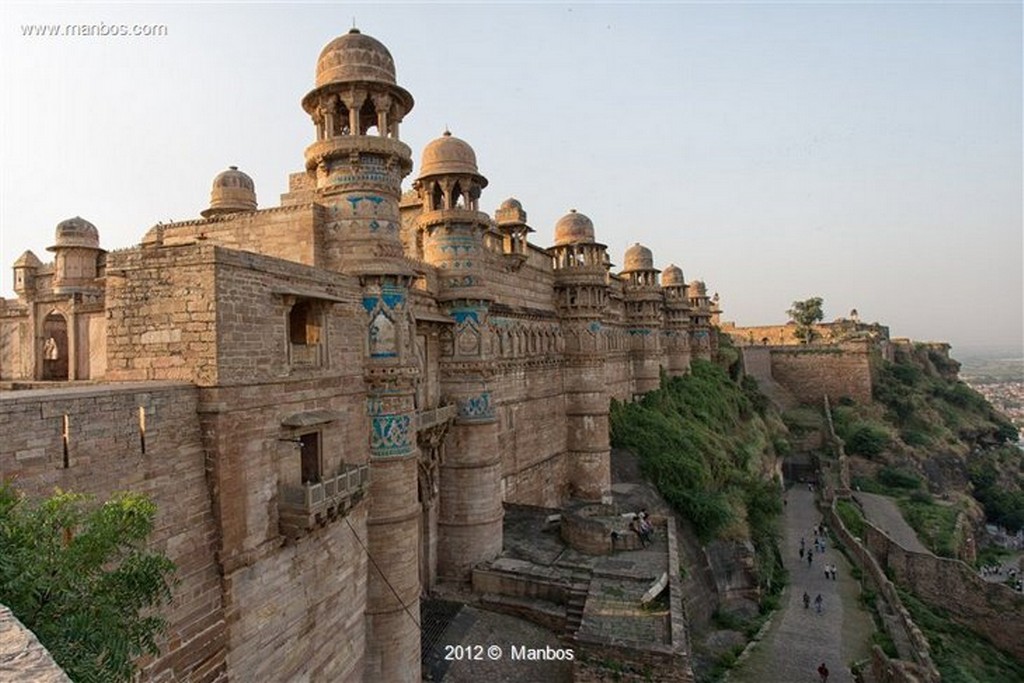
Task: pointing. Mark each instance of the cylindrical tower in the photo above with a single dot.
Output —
(77, 253)
(700, 320)
(358, 161)
(644, 317)
(677, 321)
(581, 290)
(358, 164)
(511, 220)
(453, 228)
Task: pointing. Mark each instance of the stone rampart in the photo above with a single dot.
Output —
(919, 650)
(814, 370)
(991, 609)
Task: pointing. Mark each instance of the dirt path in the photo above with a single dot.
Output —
(800, 639)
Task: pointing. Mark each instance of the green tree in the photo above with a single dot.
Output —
(80, 577)
(805, 313)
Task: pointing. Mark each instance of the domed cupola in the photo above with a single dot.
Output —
(638, 257)
(77, 256)
(354, 57)
(511, 220)
(639, 266)
(672, 276)
(574, 228)
(449, 177)
(75, 232)
(233, 192)
(356, 95)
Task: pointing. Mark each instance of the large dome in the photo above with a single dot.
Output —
(233, 191)
(638, 257)
(76, 232)
(355, 57)
(672, 276)
(573, 228)
(448, 155)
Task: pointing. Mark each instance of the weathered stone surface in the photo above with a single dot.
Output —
(22, 657)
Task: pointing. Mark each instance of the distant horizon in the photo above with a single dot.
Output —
(869, 154)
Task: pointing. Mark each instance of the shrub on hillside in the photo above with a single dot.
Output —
(867, 440)
(899, 478)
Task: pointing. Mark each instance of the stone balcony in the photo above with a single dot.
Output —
(303, 508)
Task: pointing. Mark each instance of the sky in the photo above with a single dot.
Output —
(867, 153)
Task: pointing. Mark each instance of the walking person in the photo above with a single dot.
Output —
(823, 672)
(817, 603)
(807, 600)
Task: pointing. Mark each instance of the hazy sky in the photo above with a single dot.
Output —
(870, 154)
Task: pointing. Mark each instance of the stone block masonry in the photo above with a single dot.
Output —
(814, 370)
(104, 455)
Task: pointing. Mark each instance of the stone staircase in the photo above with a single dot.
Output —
(577, 600)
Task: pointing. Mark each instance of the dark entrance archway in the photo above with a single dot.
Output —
(54, 348)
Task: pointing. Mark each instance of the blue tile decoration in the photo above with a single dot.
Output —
(390, 435)
(461, 315)
(476, 407)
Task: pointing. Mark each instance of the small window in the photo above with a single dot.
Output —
(309, 451)
(304, 324)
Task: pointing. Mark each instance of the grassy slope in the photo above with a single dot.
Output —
(709, 444)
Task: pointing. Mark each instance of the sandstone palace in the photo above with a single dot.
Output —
(332, 399)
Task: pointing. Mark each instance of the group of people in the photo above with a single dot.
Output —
(641, 525)
(818, 545)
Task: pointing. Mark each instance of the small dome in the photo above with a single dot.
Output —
(672, 276)
(448, 154)
(354, 57)
(573, 228)
(233, 191)
(638, 257)
(511, 213)
(76, 232)
(698, 288)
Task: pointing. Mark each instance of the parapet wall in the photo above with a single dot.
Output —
(991, 609)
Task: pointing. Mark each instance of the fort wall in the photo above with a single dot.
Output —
(953, 586)
(283, 232)
(815, 370)
(104, 454)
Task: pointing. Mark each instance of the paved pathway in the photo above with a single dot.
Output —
(800, 639)
(883, 512)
